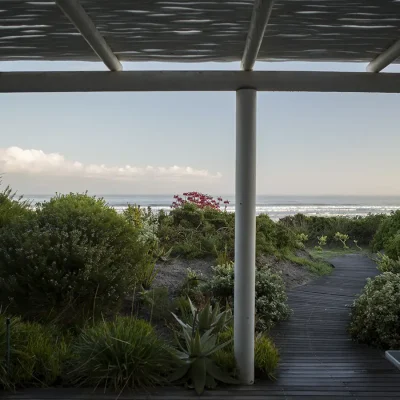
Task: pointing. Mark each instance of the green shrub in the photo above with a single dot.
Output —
(363, 229)
(266, 356)
(12, 207)
(124, 353)
(271, 298)
(386, 264)
(375, 314)
(389, 228)
(77, 258)
(272, 237)
(37, 354)
(392, 247)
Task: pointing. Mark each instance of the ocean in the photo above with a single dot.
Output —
(275, 206)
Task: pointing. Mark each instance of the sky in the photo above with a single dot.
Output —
(163, 143)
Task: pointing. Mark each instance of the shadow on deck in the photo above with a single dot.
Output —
(318, 359)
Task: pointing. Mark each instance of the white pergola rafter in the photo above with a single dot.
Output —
(78, 16)
(385, 58)
(259, 21)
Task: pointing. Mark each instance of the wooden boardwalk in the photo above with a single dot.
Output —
(318, 359)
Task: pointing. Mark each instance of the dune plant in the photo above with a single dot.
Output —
(302, 238)
(342, 238)
(321, 242)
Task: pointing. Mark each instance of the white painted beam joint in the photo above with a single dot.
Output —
(78, 16)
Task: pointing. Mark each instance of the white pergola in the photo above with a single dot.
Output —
(207, 30)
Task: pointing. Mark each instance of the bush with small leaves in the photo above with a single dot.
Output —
(271, 298)
(12, 207)
(123, 353)
(75, 259)
(386, 264)
(375, 314)
(388, 229)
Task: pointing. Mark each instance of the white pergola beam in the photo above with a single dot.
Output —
(77, 15)
(198, 81)
(259, 21)
(384, 59)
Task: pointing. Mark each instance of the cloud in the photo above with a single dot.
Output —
(37, 162)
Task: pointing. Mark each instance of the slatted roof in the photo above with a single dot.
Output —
(201, 30)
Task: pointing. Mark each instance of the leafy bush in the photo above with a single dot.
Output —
(386, 264)
(389, 228)
(272, 237)
(271, 297)
(195, 232)
(124, 353)
(375, 314)
(12, 207)
(363, 229)
(37, 354)
(76, 258)
(266, 355)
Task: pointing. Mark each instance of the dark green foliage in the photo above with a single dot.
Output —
(271, 298)
(375, 314)
(266, 355)
(76, 258)
(194, 232)
(392, 246)
(272, 237)
(12, 207)
(37, 354)
(389, 228)
(124, 353)
(357, 228)
(386, 264)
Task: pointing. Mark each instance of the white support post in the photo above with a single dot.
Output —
(245, 233)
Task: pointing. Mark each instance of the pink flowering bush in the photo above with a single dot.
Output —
(200, 200)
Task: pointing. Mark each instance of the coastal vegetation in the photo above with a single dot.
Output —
(90, 296)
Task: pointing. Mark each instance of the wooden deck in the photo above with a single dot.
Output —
(318, 359)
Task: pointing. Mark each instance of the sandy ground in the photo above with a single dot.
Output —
(172, 273)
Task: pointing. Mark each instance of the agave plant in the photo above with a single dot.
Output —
(208, 318)
(198, 343)
(198, 368)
